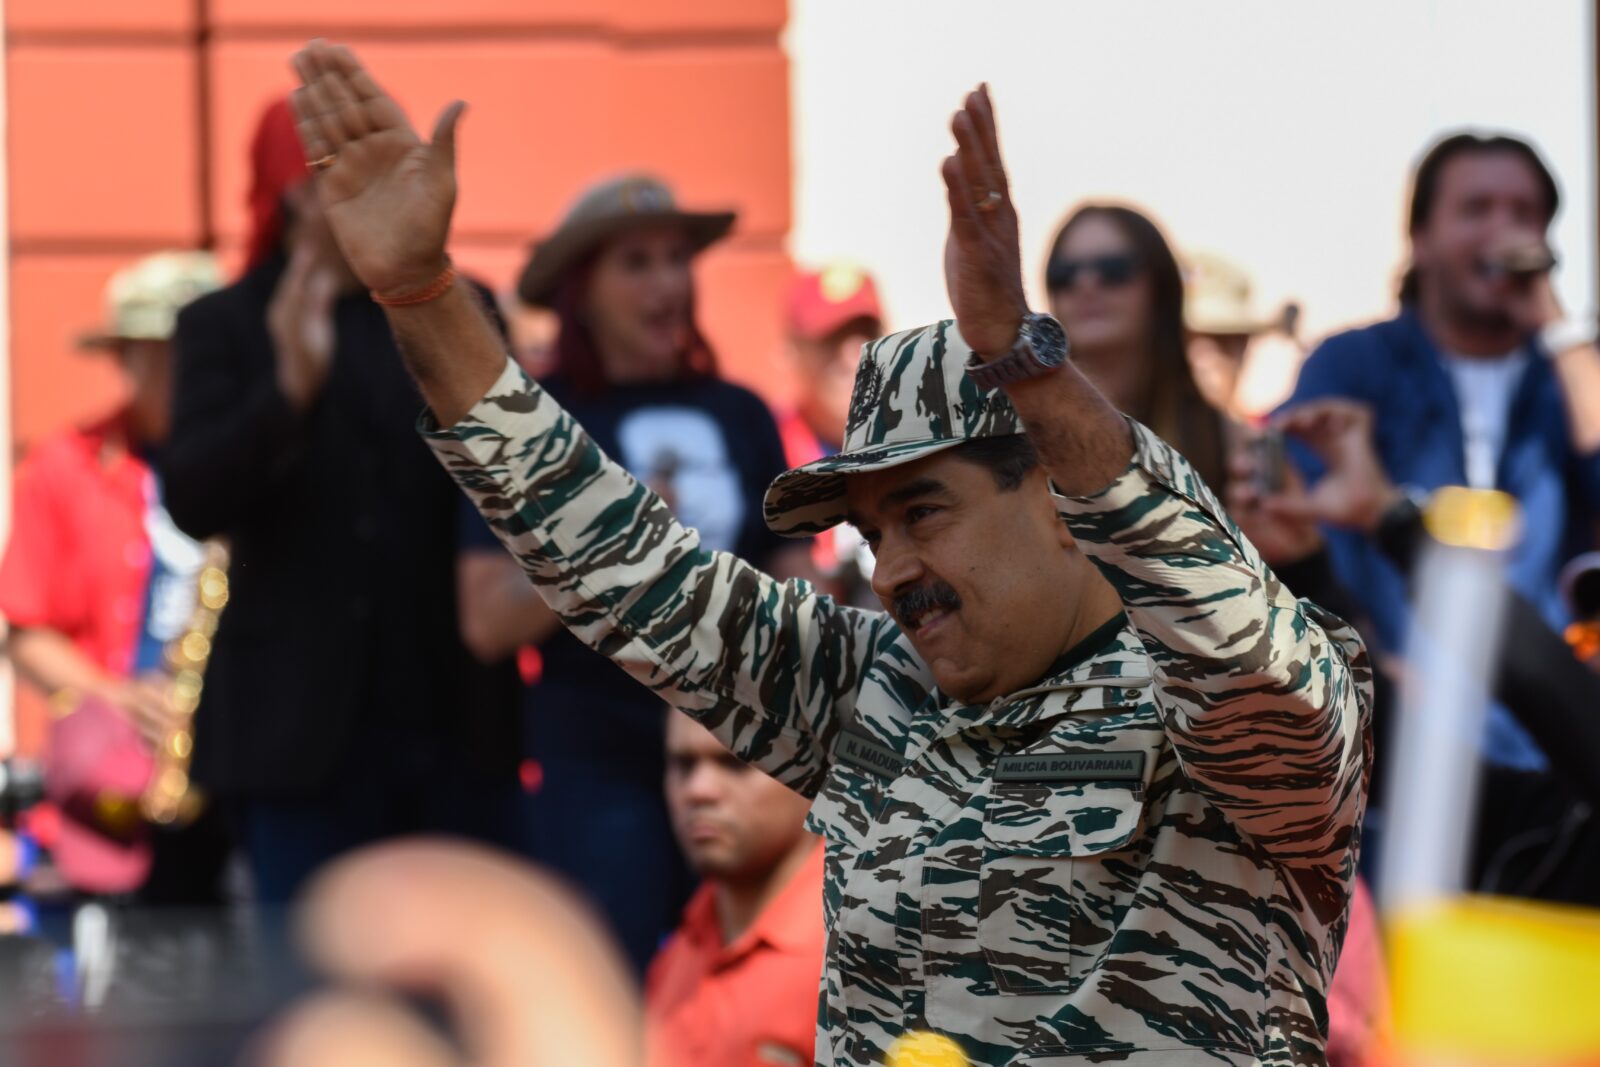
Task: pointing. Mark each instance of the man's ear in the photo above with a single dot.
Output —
(1039, 485)
(1064, 536)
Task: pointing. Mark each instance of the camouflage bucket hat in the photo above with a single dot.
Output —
(912, 398)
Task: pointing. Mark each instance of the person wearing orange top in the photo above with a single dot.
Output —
(736, 985)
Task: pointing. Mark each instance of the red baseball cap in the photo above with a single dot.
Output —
(96, 769)
(821, 301)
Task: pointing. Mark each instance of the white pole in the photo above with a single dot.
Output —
(1450, 655)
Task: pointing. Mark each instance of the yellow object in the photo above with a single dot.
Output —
(1482, 980)
(1473, 518)
(923, 1049)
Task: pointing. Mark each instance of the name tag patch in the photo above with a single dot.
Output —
(1071, 767)
(863, 753)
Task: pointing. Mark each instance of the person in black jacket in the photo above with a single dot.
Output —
(1543, 839)
(339, 705)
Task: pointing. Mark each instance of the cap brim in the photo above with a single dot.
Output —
(810, 499)
(551, 260)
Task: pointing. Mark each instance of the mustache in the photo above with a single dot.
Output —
(921, 599)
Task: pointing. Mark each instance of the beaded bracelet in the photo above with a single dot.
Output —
(432, 291)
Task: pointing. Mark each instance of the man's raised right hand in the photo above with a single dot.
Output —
(387, 194)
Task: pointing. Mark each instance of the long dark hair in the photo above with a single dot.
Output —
(577, 360)
(1425, 184)
(1169, 402)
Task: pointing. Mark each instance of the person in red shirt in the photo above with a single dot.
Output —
(829, 314)
(96, 580)
(737, 983)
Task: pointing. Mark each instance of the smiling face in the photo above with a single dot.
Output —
(639, 303)
(1481, 198)
(986, 582)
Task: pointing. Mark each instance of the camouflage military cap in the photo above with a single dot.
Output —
(912, 398)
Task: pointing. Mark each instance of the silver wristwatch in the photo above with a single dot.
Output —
(1041, 347)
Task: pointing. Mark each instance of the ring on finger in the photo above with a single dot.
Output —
(324, 162)
(988, 202)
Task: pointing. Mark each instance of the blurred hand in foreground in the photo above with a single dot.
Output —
(525, 973)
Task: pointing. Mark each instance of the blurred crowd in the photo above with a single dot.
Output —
(272, 631)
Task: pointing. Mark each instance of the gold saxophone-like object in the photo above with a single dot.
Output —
(171, 797)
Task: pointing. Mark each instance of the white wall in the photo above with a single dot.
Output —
(1278, 134)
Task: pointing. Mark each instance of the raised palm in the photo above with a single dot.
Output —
(982, 263)
(388, 195)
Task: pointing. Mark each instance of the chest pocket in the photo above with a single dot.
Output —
(1064, 843)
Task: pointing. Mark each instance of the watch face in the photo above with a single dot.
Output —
(1047, 339)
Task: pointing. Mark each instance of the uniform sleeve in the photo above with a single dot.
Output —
(772, 668)
(1267, 699)
(472, 532)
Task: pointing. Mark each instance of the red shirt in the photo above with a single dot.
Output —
(79, 555)
(752, 1003)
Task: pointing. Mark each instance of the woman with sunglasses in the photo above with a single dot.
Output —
(1115, 286)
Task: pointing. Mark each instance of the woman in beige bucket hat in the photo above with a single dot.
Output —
(632, 364)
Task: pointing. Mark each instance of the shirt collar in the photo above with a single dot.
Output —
(788, 923)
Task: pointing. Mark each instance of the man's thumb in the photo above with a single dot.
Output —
(444, 135)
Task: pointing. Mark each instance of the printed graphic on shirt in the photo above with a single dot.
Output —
(681, 453)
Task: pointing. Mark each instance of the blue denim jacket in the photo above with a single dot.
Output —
(1395, 367)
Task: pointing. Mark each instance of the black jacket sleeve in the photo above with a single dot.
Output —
(234, 434)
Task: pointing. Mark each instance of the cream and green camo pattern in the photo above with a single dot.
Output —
(1145, 859)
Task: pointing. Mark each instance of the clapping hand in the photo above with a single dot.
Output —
(526, 975)
(300, 323)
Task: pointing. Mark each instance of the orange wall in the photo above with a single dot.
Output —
(130, 122)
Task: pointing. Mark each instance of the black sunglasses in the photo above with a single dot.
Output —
(1113, 270)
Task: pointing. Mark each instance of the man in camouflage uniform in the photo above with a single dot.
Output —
(1089, 787)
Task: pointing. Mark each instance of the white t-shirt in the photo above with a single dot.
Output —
(1484, 388)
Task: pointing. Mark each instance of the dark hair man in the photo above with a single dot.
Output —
(737, 983)
(1481, 380)
(1090, 784)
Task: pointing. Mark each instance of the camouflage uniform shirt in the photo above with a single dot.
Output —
(1144, 858)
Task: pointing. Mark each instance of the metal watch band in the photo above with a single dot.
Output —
(1014, 366)
(1023, 361)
